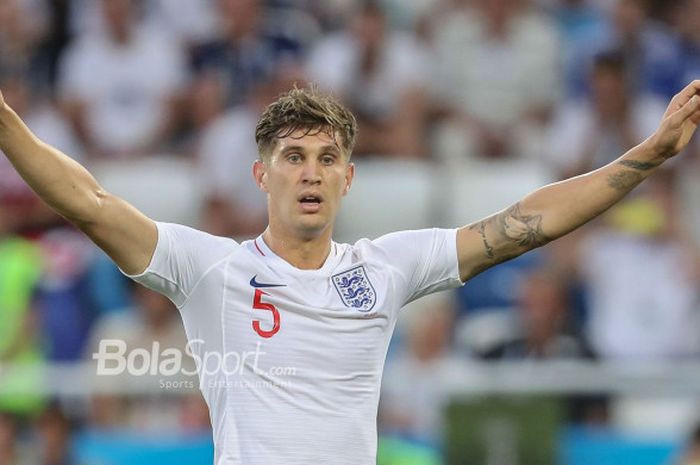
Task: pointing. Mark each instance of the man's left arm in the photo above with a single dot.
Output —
(557, 209)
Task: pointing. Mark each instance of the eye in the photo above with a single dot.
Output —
(328, 159)
(294, 158)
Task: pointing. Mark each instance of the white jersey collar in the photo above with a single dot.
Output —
(262, 249)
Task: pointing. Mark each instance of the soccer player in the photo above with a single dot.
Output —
(302, 323)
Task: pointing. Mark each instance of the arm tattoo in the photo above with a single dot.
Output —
(525, 230)
(638, 165)
(624, 180)
(481, 227)
(512, 232)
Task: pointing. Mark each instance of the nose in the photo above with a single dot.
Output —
(311, 173)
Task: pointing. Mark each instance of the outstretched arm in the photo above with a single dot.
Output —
(559, 208)
(124, 233)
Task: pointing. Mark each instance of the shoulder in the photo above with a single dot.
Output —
(181, 237)
(398, 245)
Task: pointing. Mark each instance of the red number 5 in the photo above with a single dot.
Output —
(260, 305)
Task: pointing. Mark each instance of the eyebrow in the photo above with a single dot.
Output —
(299, 148)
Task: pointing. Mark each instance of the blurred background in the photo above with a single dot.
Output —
(584, 352)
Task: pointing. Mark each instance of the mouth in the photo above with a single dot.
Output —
(310, 202)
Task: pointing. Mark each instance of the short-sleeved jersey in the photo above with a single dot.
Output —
(303, 350)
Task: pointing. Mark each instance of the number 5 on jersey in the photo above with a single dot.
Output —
(258, 304)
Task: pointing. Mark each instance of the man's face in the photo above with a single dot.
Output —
(305, 177)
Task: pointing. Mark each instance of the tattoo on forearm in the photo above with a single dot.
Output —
(512, 231)
(481, 227)
(525, 230)
(624, 180)
(638, 165)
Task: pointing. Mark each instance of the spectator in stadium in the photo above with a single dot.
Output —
(65, 302)
(546, 333)
(247, 48)
(382, 75)
(650, 51)
(20, 354)
(504, 80)
(640, 274)
(54, 430)
(22, 26)
(687, 20)
(589, 132)
(122, 85)
(11, 451)
(413, 410)
(153, 320)
(544, 316)
(206, 101)
(578, 19)
(188, 21)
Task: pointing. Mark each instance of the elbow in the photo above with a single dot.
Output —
(92, 209)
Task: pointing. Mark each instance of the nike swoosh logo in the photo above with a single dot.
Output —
(254, 283)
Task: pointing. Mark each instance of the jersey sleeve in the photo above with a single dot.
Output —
(182, 257)
(425, 261)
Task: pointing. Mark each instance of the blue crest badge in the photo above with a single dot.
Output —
(355, 290)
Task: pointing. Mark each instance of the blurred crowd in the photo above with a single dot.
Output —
(563, 86)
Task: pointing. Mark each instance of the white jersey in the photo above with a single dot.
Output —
(304, 349)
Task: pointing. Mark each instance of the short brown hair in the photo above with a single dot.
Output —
(308, 110)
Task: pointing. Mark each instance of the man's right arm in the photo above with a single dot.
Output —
(125, 234)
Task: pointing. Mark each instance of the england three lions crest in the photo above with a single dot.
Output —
(355, 290)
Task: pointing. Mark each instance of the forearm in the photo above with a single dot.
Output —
(566, 205)
(65, 185)
(554, 210)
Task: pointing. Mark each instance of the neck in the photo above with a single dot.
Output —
(301, 252)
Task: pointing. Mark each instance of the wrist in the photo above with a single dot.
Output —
(650, 151)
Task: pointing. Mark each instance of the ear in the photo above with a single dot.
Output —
(349, 176)
(260, 175)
